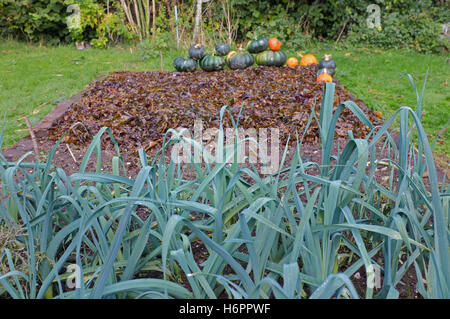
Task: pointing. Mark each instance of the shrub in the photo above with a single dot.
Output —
(151, 49)
(413, 27)
(405, 23)
(42, 20)
(111, 30)
(34, 20)
(97, 26)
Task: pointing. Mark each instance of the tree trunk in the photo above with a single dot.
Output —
(154, 19)
(198, 19)
(147, 12)
(136, 12)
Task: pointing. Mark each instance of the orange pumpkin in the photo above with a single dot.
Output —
(274, 44)
(292, 62)
(308, 59)
(324, 77)
(379, 114)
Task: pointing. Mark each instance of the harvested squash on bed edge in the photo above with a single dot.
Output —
(212, 63)
(307, 59)
(327, 63)
(222, 49)
(185, 65)
(197, 52)
(274, 44)
(271, 58)
(258, 45)
(324, 77)
(292, 62)
(240, 60)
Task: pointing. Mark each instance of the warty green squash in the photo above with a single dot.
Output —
(197, 52)
(258, 45)
(212, 63)
(271, 58)
(185, 65)
(240, 60)
(222, 49)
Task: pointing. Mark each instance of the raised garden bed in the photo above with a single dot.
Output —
(141, 106)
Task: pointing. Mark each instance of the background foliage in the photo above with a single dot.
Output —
(405, 23)
(34, 20)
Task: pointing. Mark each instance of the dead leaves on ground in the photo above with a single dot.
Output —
(141, 106)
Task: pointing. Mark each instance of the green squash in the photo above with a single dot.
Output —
(327, 62)
(327, 70)
(177, 63)
(197, 52)
(189, 65)
(212, 63)
(222, 49)
(258, 45)
(185, 65)
(271, 58)
(240, 60)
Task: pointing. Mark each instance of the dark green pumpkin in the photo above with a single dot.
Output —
(190, 65)
(330, 71)
(185, 65)
(240, 60)
(177, 63)
(271, 58)
(212, 63)
(258, 45)
(197, 52)
(222, 49)
(327, 62)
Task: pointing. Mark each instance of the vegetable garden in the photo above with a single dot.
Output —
(352, 201)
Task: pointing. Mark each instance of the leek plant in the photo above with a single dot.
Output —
(291, 234)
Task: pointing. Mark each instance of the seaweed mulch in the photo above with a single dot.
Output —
(140, 107)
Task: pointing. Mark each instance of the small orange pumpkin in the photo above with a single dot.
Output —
(379, 114)
(324, 77)
(292, 62)
(274, 44)
(308, 59)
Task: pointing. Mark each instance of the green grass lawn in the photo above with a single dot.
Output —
(34, 79)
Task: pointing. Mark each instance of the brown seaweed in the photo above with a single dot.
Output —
(141, 106)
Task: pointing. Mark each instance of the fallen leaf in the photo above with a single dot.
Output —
(151, 145)
(139, 107)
